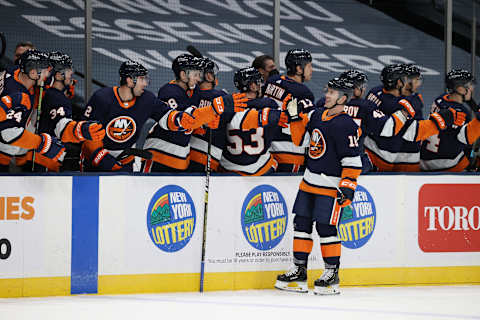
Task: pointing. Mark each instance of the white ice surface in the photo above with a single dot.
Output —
(432, 302)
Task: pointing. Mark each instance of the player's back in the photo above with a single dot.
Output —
(199, 140)
(289, 156)
(56, 107)
(247, 151)
(390, 151)
(445, 151)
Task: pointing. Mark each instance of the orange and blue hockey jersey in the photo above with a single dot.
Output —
(172, 148)
(199, 139)
(249, 135)
(123, 120)
(289, 156)
(371, 120)
(399, 152)
(448, 150)
(333, 150)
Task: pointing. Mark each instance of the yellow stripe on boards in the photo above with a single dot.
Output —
(148, 283)
(189, 282)
(34, 287)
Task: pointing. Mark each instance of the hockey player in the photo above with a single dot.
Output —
(56, 113)
(171, 150)
(449, 149)
(250, 132)
(368, 116)
(290, 157)
(266, 66)
(393, 153)
(15, 111)
(334, 152)
(200, 137)
(34, 68)
(122, 111)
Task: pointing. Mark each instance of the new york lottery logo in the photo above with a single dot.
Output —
(264, 217)
(358, 221)
(171, 218)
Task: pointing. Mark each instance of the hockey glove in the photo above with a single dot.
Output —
(185, 121)
(267, 116)
(104, 161)
(51, 147)
(89, 130)
(235, 102)
(445, 118)
(293, 110)
(214, 123)
(347, 188)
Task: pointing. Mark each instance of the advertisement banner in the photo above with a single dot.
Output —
(35, 227)
(150, 224)
(449, 218)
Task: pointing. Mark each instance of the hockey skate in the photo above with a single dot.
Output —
(295, 279)
(328, 283)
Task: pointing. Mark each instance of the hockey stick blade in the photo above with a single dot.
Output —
(147, 155)
(194, 52)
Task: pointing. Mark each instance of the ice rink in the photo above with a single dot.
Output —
(432, 302)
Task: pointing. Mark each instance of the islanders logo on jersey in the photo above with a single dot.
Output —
(121, 129)
(171, 218)
(317, 145)
(357, 222)
(264, 217)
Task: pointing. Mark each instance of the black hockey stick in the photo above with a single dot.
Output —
(4, 45)
(147, 155)
(2, 53)
(37, 124)
(194, 52)
(96, 82)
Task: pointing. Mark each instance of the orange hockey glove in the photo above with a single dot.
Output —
(89, 130)
(347, 188)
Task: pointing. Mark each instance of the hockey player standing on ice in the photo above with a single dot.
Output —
(250, 132)
(199, 139)
(56, 112)
(333, 151)
(449, 150)
(34, 68)
(290, 157)
(122, 111)
(401, 152)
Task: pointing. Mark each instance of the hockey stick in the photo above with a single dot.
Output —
(330, 182)
(96, 82)
(4, 45)
(193, 51)
(2, 53)
(147, 155)
(205, 208)
(37, 124)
